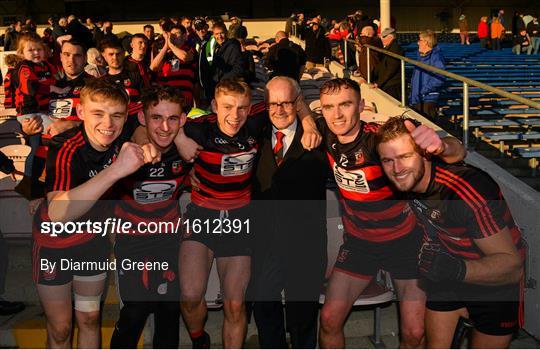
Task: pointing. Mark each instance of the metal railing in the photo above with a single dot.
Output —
(467, 82)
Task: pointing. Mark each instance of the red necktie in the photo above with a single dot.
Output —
(278, 148)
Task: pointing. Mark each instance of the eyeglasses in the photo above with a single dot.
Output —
(284, 104)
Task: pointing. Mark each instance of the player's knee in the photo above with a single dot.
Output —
(59, 332)
(413, 336)
(234, 310)
(330, 320)
(88, 320)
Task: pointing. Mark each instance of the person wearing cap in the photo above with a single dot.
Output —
(387, 72)
(425, 85)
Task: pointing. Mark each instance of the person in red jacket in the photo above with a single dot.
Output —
(483, 32)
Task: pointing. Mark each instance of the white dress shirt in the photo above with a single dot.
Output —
(287, 139)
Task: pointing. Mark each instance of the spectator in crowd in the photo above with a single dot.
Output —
(497, 33)
(6, 307)
(132, 81)
(369, 37)
(463, 30)
(12, 62)
(10, 41)
(29, 26)
(425, 85)
(518, 24)
(317, 45)
(150, 34)
(483, 32)
(136, 60)
(237, 30)
(500, 16)
(533, 29)
(226, 61)
(96, 66)
(175, 65)
(60, 28)
(521, 42)
(388, 71)
(33, 80)
(285, 58)
(108, 31)
(289, 24)
(202, 35)
(79, 31)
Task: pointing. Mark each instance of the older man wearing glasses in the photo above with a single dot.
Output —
(289, 253)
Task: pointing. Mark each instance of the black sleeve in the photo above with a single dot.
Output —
(196, 129)
(258, 119)
(6, 164)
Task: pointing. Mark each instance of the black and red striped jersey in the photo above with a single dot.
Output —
(133, 84)
(175, 72)
(65, 96)
(372, 211)
(151, 194)
(9, 89)
(462, 204)
(71, 162)
(33, 82)
(140, 67)
(225, 165)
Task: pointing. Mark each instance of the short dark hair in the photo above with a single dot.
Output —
(334, 85)
(110, 44)
(74, 42)
(220, 25)
(152, 96)
(180, 27)
(148, 26)
(138, 36)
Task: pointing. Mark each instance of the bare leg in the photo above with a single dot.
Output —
(341, 293)
(56, 303)
(195, 262)
(412, 306)
(234, 273)
(89, 322)
(440, 327)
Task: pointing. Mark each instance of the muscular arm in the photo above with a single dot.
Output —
(502, 263)
(72, 204)
(183, 55)
(454, 151)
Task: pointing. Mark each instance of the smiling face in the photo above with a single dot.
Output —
(219, 34)
(232, 110)
(34, 51)
(403, 165)
(341, 110)
(139, 46)
(162, 123)
(73, 59)
(281, 101)
(103, 120)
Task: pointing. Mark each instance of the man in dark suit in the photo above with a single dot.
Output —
(388, 70)
(289, 252)
(285, 57)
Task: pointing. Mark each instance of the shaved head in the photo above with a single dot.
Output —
(280, 35)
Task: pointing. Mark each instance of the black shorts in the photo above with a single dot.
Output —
(363, 259)
(493, 310)
(59, 266)
(147, 267)
(225, 232)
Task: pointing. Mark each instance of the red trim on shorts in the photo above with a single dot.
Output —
(355, 275)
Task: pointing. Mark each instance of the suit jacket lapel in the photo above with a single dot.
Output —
(267, 153)
(295, 149)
